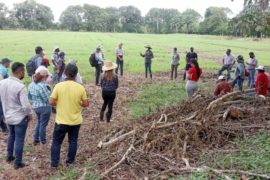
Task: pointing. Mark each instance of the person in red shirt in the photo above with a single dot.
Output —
(222, 86)
(193, 75)
(261, 82)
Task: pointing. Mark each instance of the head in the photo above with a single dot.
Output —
(175, 50)
(39, 50)
(108, 75)
(221, 78)
(62, 55)
(72, 61)
(120, 45)
(240, 59)
(6, 62)
(260, 69)
(148, 47)
(71, 71)
(228, 52)
(45, 62)
(251, 55)
(191, 49)
(56, 50)
(18, 70)
(41, 74)
(98, 49)
(195, 64)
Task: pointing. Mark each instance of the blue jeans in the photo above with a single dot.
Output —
(58, 137)
(16, 138)
(120, 64)
(3, 125)
(148, 68)
(43, 117)
(251, 78)
(239, 81)
(228, 68)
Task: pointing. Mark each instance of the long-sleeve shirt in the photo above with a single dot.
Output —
(99, 57)
(14, 100)
(109, 85)
(240, 71)
(252, 63)
(148, 56)
(40, 94)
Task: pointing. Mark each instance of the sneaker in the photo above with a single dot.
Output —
(10, 159)
(18, 166)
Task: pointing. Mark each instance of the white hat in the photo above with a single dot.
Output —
(221, 77)
(109, 65)
(260, 68)
(43, 71)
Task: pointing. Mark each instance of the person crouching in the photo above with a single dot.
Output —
(222, 86)
(109, 85)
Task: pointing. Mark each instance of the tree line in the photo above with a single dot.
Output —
(253, 20)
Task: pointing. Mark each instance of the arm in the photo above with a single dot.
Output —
(52, 101)
(24, 102)
(116, 82)
(143, 55)
(85, 101)
(54, 96)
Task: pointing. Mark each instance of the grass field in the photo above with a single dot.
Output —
(19, 45)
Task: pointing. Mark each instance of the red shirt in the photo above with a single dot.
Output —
(262, 81)
(223, 87)
(192, 71)
(268, 75)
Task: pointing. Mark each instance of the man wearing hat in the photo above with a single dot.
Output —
(148, 56)
(4, 65)
(239, 73)
(40, 101)
(261, 84)
(222, 86)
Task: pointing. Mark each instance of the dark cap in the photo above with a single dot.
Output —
(38, 49)
(5, 60)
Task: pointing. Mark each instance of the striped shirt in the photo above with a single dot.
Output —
(40, 94)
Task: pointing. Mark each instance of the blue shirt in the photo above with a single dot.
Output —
(3, 71)
(39, 93)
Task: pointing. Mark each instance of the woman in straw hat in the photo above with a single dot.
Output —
(148, 56)
(109, 84)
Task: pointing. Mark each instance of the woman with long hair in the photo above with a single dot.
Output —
(193, 75)
(109, 85)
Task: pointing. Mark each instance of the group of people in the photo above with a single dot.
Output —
(64, 91)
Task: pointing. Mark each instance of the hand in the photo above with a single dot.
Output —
(29, 118)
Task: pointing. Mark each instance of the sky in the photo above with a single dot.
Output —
(200, 6)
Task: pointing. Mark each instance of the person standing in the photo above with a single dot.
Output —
(252, 63)
(78, 78)
(239, 73)
(175, 63)
(55, 57)
(17, 113)
(109, 85)
(190, 55)
(228, 61)
(148, 56)
(40, 101)
(99, 58)
(60, 66)
(222, 86)
(261, 84)
(119, 58)
(193, 75)
(45, 64)
(69, 97)
(4, 65)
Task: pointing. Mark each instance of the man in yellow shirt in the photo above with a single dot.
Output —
(69, 97)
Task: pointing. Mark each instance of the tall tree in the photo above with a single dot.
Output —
(72, 18)
(130, 19)
(32, 15)
(113, 17)
(191, 19)
(3, 15)
(93, 17)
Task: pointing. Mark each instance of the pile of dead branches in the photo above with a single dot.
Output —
(169, 143)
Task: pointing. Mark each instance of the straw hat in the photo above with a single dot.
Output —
(109, 65)
(260, 68)
(148, 47)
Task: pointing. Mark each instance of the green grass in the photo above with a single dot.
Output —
(19, 45)
(155, 96)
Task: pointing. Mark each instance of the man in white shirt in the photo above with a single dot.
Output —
(228, 61)
(119, 58)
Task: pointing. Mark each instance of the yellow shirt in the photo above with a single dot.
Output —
(69, 96)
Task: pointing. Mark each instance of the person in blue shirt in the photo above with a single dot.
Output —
(4, 65)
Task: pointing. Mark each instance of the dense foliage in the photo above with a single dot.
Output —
(253, 20)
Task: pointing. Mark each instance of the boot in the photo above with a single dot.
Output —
(108, 116)
(101, 115)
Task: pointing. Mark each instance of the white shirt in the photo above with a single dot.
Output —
(228, 59)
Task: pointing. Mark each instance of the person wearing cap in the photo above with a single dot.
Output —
(148, 56)
(222, 86)
(69, 97)
(252, 64)
(239, 73)
(99, 58)
(227, 64)
(60, 66)
(78, 76)
(17, 111)
(174, 63)
(40, 101)
(45, 63)
(119, 58)
(4, 65)
(261, 84)
(109, 85)
(190, 55)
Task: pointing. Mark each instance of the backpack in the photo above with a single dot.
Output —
(31, 66)
(92, 60)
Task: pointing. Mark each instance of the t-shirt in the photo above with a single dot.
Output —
(175, 59)
(252, 64)
(228, 59)
(191, 55)
(69, 96)
(223, 87)
(268, 76)
(193, 73)
(3, 72)
(119, 52)
(262, 80)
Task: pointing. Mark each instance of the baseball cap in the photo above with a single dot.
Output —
(260, 68)
(221, 77)
(42, 71)
(46, 60)
(5, 60)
